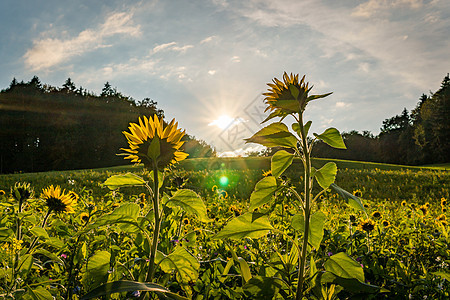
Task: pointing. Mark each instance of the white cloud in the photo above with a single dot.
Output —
(208, 39)
(212, 72)
(49, 52)
(172, 46)
(163, 47)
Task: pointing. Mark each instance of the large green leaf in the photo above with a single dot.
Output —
(25, 264)
(260, 287)
(40, 293)
(97, 269)
(351, 199)
(183, 262)
(352, 285)
(125, 217)
(190, 202)
(5, 233)
(344, 266)
(316, 224)
(273, 135)
(332, 137)
(130, 286)
(250, 225)
(326, 175)
(280, 162)
(39, 232)
(125, 180)
(263, 192)
(245, 269)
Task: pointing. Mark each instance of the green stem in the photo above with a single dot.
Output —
(151, 266)
(43, 226)
(307, 209)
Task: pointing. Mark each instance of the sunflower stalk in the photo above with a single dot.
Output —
(306, 206)
(153, 249)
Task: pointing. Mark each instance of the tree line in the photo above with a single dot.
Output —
(43, 127)
(412, 138)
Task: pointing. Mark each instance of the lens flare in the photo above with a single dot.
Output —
(223, 181)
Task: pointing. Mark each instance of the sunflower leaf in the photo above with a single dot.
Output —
(273, 135)
(243, 226)
(190, 202)
(123, 180)
(332, 137)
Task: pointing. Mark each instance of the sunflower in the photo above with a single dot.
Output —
(185, 221)
(423, 209)
(403, 203)
(289, 96)
(376, 215)
(2, 193)
(443, 202)
(386, 223)
(441, 217)
(22, 191)
(84, 216)
(357, 193)
(367, 225)
(154, 144)
(57, 200)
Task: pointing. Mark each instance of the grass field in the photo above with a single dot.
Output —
(406, 251)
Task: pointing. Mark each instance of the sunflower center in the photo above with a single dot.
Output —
(56, 204)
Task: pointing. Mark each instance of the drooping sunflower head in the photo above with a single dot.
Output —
(290, 95)
(152, 143)
(58, 201)
(367, 225)
(22, 191)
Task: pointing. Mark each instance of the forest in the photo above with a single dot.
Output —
(62, 128)
(44, 128)
(411, 138)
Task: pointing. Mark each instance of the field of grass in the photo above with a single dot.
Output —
(406, 252)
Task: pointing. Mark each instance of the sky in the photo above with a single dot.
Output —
(207, 62)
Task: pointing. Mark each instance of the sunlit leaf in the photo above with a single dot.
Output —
(190, 202)
(344, 266)
(332, 137)
(280, 162)
(316, 224)
(326, 175)
(40, 293)
(97, 269)
(243, 226)
(263, 192)
(39, 232)
(183, 262)
(273, 135)
(123, 180)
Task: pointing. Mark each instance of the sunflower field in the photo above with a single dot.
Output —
(294, 230)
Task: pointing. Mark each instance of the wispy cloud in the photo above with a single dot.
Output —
(49, 52)
(172, 46)
(384, 7)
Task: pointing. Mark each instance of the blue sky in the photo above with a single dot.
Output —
(203, 60)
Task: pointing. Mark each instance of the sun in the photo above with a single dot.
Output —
(222, 122)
